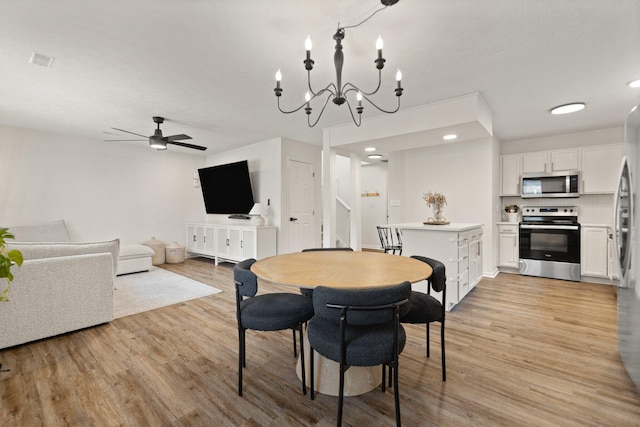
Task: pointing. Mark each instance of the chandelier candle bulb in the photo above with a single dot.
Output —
(308, 63)
(307, 98)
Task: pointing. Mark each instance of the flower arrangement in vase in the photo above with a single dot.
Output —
(436, 201)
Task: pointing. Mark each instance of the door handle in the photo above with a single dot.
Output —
(293, 219)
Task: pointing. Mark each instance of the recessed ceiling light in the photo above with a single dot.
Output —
(568, 108)
(450, 137)
(375, 156)
(41, 59)
(369, 149)
(635, 83)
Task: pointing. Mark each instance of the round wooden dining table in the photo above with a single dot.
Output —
(344, 269)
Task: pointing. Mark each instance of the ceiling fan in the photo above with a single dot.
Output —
(158, 141)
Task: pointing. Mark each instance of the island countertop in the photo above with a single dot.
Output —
(454, 226)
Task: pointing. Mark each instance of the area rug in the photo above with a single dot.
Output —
(139, 292)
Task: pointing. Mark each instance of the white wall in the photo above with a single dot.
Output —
(101, 190)
(264, 168)
(462, 171)
(268, 168)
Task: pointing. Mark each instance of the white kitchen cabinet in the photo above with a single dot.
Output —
(510, 170)
(457, 246)
(230, 242)
(535, 162)
(594, 251)
(600, 168)
(509, 255)
(550, 161)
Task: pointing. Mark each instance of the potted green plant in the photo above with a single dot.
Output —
(8, 258)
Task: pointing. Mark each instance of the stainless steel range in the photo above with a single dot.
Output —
(550, 242)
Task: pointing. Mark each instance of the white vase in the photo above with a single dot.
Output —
(512, 216)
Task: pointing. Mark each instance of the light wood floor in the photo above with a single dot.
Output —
(521, 351)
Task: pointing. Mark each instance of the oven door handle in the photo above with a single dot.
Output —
(549, 227)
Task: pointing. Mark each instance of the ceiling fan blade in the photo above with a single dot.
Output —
(183, 144)
(124, 140)
(178, 137)
(132, 133)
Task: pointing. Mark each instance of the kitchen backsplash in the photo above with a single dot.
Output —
(592, 209)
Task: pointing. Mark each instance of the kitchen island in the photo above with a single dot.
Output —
(457, 245)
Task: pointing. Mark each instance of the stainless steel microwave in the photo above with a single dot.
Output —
(551, 184)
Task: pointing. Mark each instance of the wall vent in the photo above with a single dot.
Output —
(41, 59)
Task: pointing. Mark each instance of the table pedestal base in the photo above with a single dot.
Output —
(357, 379)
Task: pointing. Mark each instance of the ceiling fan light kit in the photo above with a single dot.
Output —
(337, 92)
(158, 141)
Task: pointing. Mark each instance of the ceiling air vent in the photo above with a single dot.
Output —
(41, 59)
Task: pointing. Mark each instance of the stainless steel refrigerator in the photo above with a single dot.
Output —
(626, 221)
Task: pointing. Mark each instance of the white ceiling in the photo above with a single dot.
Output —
(208, 66)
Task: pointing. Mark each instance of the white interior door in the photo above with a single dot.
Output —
(301, 202)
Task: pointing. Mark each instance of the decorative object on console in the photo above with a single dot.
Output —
(337, 92)
(159, 249)
(258, 211)
(436, 201)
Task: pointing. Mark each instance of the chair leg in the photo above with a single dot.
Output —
(427, 338)
(384, 377)
(444, 370)
(396, 393)
(304, 374)
(311, 385)
(341, 394)
(295, 351)
(241, 359)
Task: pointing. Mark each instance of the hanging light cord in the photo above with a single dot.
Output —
(365, 19)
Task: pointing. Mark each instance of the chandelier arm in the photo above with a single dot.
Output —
(292, 111)
(382, 109)
(328, 88)
(359, 121)
(354, 87)
(319, 115)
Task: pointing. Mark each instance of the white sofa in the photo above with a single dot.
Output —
(60, 287)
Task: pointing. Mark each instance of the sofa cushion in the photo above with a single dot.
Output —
(55, 231)
(41, 250)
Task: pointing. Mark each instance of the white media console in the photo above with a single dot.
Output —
(232, 243)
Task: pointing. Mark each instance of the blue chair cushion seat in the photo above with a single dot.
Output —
(368, 345)
(276, 311)
(423, 308)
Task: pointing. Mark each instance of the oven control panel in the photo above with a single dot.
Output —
(550, 211)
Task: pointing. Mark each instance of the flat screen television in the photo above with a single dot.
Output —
(227, 188)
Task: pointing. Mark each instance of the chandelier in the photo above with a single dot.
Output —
(337, 92)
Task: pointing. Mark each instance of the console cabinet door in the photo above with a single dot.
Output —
(248, 243)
